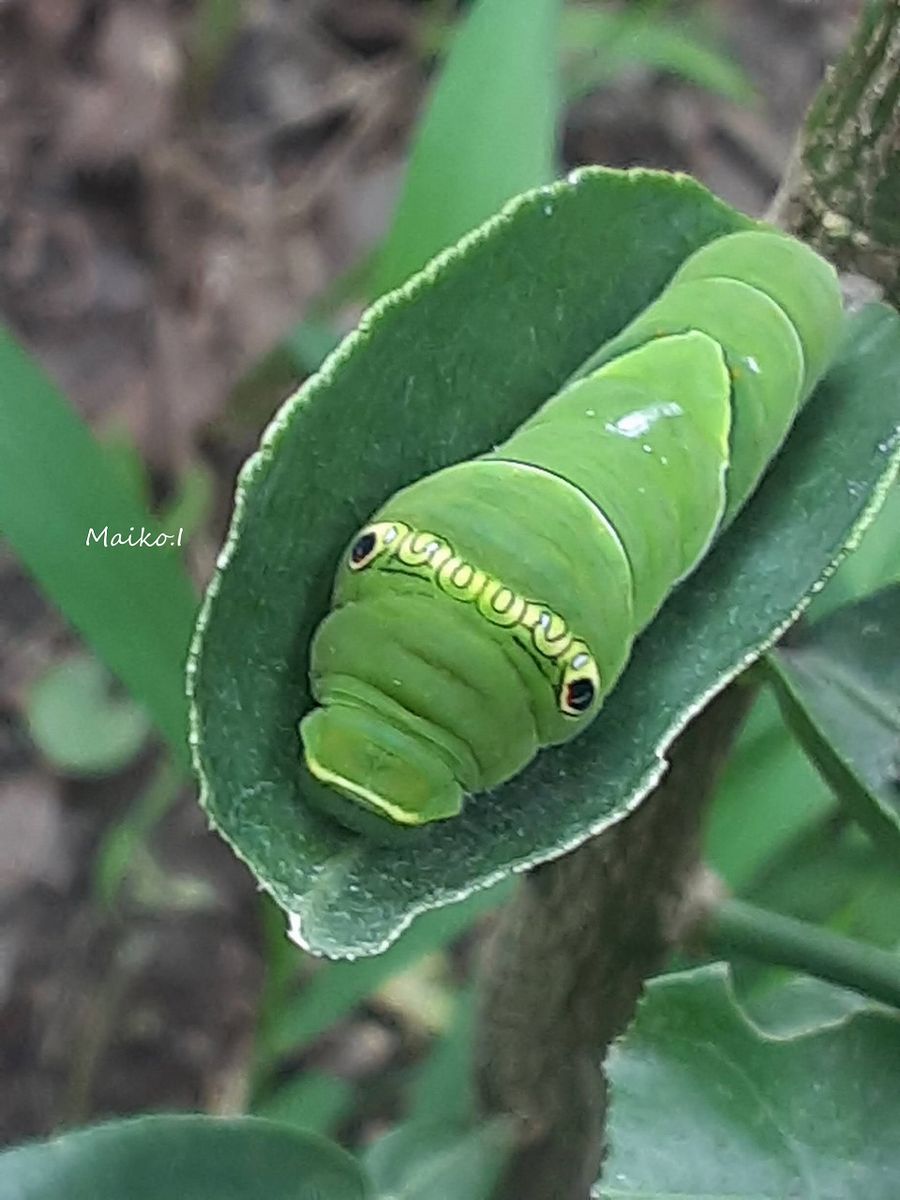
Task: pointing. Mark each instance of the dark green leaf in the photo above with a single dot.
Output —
(707, 1107)
(489, 132)
(79, 724)
(183, 1157)
(839, 687)
(133, 605)
(479, 340)
(423, 1161)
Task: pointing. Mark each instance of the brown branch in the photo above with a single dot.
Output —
(567, 963)
(566, 966)
(842, 191)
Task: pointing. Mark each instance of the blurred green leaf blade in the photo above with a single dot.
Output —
(188, 1157)
(79, 724)
(838, 683)
(608, 43)
(133, 605)
(834, 875)
(124, 841)
(768, 796)
(337, 989)
(873, 565)
(310, 1101)
(489, 132)
(830, 876)
(444, 1088)
(812, 1117)
(425, 1160)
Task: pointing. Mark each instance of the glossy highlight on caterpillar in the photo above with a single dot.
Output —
(486, 610)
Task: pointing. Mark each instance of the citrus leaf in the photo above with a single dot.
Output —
(191, 1157)
(461, 356)
(705, 1106)
(838, 684)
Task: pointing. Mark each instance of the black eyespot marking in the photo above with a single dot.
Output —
(362, 549)
(579, 696)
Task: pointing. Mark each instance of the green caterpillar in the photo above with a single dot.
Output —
(487, 609)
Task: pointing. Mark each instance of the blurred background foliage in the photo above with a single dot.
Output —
(198, 199)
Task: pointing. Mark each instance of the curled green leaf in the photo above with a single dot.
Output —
(437, 372)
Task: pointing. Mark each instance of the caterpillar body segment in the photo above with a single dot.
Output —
(486, 610)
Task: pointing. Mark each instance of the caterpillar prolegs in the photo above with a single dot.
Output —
(486, 610)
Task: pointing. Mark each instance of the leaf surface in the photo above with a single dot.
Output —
(438, 372)
(188, 1157)
(705, 1106)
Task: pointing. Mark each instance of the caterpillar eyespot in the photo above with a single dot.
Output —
(371, 542)
(577, 697)
(363, 551)
(580, 686)
(486, 610)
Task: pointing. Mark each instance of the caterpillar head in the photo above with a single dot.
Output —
(434, 679)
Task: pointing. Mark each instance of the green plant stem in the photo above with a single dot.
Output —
(735, 927)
